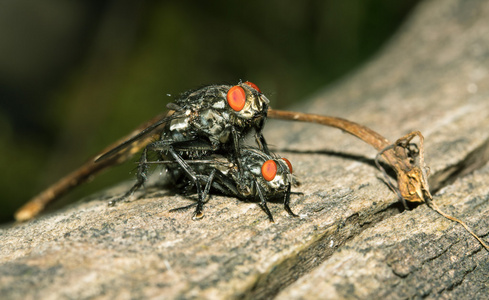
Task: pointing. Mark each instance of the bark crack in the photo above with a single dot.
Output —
(290, 269)
(474, 160)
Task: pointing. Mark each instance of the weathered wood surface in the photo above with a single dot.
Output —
(352, 240)
(413, 254)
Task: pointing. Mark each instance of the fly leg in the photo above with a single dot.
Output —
(260, 141)
(208, 185)
(263, 203)
(142, 176)
(164, 145)
(286, 202)
(236, 151)
(237, 156)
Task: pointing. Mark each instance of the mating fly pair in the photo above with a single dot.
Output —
(201, 143)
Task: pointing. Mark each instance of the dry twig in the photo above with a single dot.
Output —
(84, 173)
(406, 158)
(411, 177)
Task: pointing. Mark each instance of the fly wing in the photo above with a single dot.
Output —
(137, 139)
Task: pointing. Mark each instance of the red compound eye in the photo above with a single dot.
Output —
(252, 85)
(288, 164)
(269, 170)
(236, 98)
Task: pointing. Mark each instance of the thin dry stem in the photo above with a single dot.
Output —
(84, 173)
(411, 177)
(407, 162)
(438, 210)
(364, 133)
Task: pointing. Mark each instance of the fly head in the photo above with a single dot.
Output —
(272, 174)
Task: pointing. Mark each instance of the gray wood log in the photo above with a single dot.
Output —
(352, 240)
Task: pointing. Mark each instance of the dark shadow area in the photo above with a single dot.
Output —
(354, 157)
(359, 158)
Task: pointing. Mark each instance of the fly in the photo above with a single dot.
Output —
(213, 119)
(264, 177)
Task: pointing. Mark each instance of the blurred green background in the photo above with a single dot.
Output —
(77, 75)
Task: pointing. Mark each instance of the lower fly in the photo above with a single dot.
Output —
(263, 177)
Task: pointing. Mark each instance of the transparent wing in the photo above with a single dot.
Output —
(132, 141)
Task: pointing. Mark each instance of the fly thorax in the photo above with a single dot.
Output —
(212, 123)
